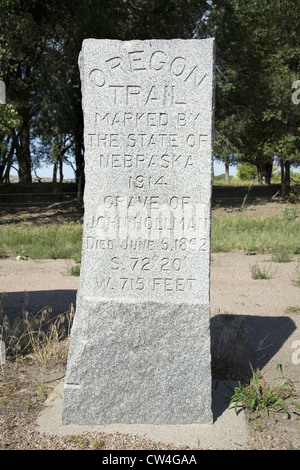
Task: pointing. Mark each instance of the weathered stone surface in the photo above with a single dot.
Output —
(2, 352)
(140, 343)
(2, 92)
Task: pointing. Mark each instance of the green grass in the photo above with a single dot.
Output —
(42, 242)
(259, 235)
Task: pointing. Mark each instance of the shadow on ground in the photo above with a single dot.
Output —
(240, 340)
(13, 304)
(237, 340)
(233, 196)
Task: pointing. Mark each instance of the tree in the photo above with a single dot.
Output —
(258, 59)
(39, 46)
(26, 27)
(240, 94)
(282, 69)
(60, 118)
(9, 120)
(163, 19)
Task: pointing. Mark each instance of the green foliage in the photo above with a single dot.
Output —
(260, 273)
(259, 396)
(9, 119)
(40, 41)
(255, 117)
(246, 172)
(258, 51)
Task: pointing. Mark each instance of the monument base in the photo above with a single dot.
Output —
(146, 362)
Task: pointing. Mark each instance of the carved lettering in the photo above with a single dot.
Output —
(165, 95)
(158, 61)
(147, 137)
(157, 284)
(151, 119)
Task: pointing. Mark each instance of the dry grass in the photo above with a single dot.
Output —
(36, 355)
(38, 335)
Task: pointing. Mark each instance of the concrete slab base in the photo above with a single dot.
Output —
(228, 431)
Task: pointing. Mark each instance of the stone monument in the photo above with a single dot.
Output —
(2, 353)
(140, 342)
(2, 92)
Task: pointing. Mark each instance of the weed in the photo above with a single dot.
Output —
(246, 197)
(293, 309)
(259, 396)
(75, 270)
(258, 273)
(80, 441)
(282, 256)
(97, 444)
(84, 443)
(250, 249)
(27, 405)
(41, 390)
(38, 335)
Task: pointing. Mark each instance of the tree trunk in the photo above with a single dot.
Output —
(54, 175)
(1, 173)
(285, 166)
(23, 154)
(9, 162)
(78, 138)
(282, 178)
(61, 176)
(227, 176)
(265, 172)
(287, 173)
(282, 170)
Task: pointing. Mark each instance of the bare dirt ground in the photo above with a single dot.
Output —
(256, 321)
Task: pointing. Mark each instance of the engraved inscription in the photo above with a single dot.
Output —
(157, 284)
(145, 161)
(158, 61)
(149, 225)
(143, 140)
